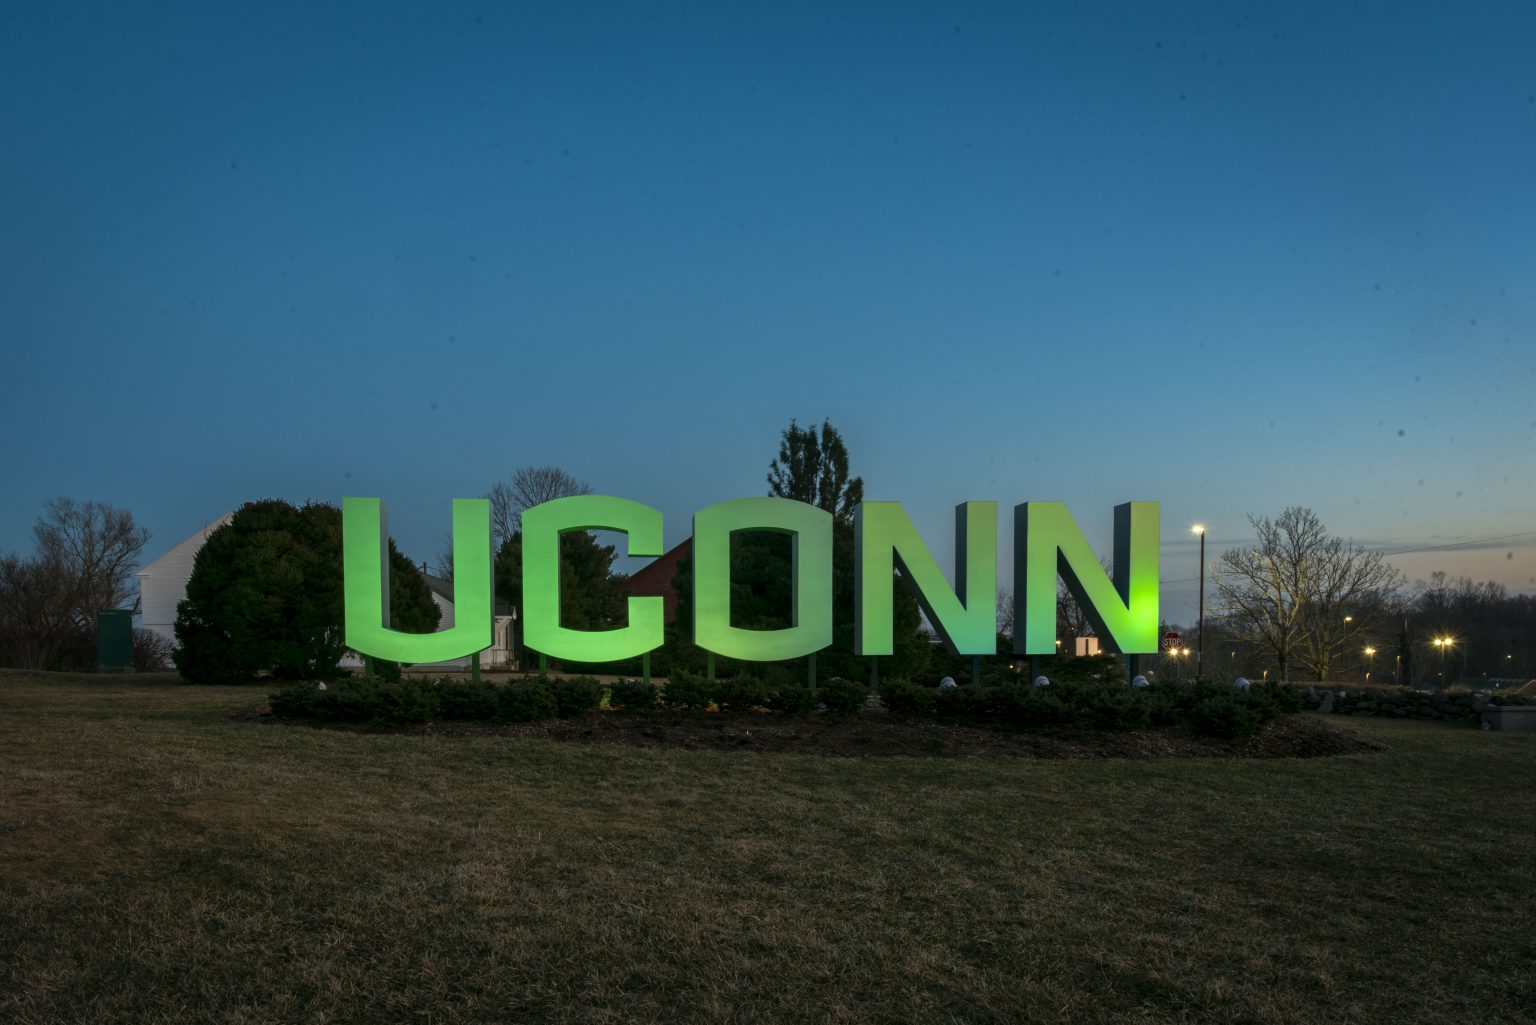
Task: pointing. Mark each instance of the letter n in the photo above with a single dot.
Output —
(1123, 611)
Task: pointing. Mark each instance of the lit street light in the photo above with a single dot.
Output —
(1444, 644)
(1370, 660)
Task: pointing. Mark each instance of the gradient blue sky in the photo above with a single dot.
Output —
(1226, 257)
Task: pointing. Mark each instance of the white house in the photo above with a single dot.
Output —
(498, 654)
(163, 584)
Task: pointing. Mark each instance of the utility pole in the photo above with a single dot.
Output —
(1199, 528)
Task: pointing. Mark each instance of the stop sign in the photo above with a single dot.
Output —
(1171, 640)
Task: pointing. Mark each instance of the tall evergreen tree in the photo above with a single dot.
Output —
(266, 595)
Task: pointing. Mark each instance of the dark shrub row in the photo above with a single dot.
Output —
(743, 693)
(1211, 709)
(400, 702)
(389, 701)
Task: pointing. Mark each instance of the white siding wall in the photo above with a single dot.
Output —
(163, 583)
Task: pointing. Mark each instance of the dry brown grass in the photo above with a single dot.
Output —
(160, 861)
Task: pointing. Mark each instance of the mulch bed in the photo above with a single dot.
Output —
(875, 734)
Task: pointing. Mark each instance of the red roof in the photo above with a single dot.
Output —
(655, 579)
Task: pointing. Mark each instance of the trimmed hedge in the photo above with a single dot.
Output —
(389, 703)
(633, 695)
(1209, 709)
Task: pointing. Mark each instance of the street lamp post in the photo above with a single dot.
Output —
(1199, 529)
(1444, 644)
(1370, 660)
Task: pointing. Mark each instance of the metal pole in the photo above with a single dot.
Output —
(1200, 640)
(645, 667)
(810, 671)
(975, 669)
(474, 667)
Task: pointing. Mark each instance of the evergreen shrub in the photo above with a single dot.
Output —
(842, 697)
(906, 697)
(685, 690)
(526, 702)
(741, 693)
(576, 696)
(792, 699)
(466, 700)
(633, 695)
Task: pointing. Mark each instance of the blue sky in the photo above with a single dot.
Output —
(1229, 258)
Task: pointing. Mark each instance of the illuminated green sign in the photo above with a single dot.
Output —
(365, 570)
(810, 531)
(542, 527)
(1047, 542)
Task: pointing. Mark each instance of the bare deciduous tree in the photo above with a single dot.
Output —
(1005, 611)
(529, 486)
(36, 612)
(504, 519)
(1290, 593)
(84, 559)
(97, 545)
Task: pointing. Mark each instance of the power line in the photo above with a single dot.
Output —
(1407, 551)
(1460, 544)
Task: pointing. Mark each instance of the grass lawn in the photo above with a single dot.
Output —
(161, 861)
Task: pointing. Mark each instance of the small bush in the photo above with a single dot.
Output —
(388, 704)
(472, 701)
(576, 697)
(969, 700)
(842, 697)
(1167, 703)
(792, 699)
(385, 670)
(906, 697)
(1226, 716)
(741, 693)
(398, 704)
(688, 691)
(152, 653)
(526, 702)
(1286, 699)
(294, 702)
(633, 695)
(1115, 707)
(353, 701)
(1027, 705)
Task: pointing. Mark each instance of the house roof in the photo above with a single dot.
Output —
(443, 588)
(655, 578)
(179, 557)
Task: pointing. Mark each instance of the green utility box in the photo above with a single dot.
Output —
(114, 640)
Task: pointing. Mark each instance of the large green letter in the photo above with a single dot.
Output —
(885, 540)
(542, 527)
(812, 531)
(365, 569)
(1046, 541)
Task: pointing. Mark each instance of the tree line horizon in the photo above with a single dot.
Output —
(1298, 597)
